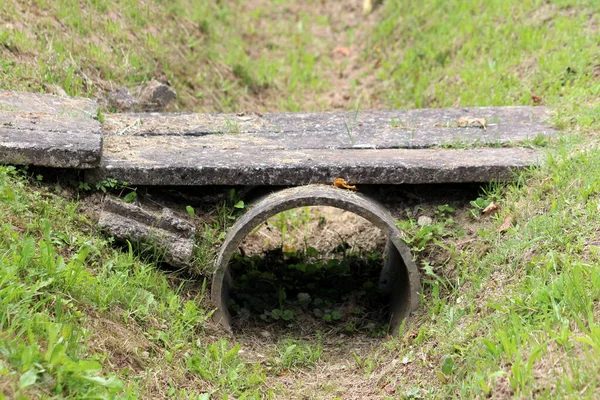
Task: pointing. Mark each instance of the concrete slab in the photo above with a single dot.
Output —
(367, 147)
(345, 130)
(49, 131)
(185, 161)
(173, 235)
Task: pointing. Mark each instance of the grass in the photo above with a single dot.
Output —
(507, 312)
(473, 54)
(64, 290)
(205, 48)
(297, 355)
(520, 308)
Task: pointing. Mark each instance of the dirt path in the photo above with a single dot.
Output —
(337, 34)
(336, 375)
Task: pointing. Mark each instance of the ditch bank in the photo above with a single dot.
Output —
(305, 150)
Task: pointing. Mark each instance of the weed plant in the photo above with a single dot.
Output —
(302, 287)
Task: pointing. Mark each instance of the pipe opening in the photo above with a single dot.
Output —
(285, 264)
(308, 269)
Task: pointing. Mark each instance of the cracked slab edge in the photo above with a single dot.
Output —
(173, 235)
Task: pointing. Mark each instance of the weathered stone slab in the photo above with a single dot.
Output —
(172, 160)
(343, 130)
(75, 107)
(49, 131)
(172, 234)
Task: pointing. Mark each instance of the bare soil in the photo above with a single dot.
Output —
(335, 375)
(323, 228)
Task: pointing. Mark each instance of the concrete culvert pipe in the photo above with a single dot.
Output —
(399, 276)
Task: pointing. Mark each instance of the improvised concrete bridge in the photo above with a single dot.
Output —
(305, 150)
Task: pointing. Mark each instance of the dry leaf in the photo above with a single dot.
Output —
(409, 335)
(342, 184)
(506, 224)
(467, 122)
(536, 99)
(341, 50)
(289, 249)
(492, 207)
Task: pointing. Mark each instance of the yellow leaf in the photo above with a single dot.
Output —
(441, 377)
(467, 122)
(342, 184)
(492, 207)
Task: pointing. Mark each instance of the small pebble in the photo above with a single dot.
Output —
(424, 220)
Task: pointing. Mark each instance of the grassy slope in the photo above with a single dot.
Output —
(518, 313)
(509, 315)
(207, 49)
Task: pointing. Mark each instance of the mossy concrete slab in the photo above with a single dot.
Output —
(49, 131)
(346, 130)
(366, 147)
(172, 235)
(182, 161)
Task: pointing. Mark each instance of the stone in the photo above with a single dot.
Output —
(173, 235)
(156, 96)
(184, 161)
(410, 129)
(369, 147)
(49, 131)
(56, 90)
(121, 100)
(424, 220)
